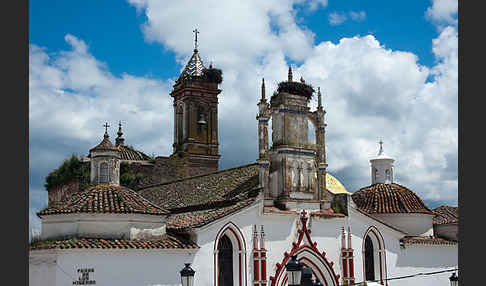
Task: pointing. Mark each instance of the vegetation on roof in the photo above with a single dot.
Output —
(70, 169)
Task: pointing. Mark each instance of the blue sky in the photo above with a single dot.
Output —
(388, 71)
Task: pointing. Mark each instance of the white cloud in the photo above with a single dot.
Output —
(370, 93)
(314, 4)
(443, 11)
(358, 16)
(336, 18)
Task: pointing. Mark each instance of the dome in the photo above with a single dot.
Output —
(334, 186)
(106, 199)
(389, 198)
(129, 153)
(105, 144)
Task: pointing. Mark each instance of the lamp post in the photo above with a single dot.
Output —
(187, 275)
(306, 278)
(317, 282)
(294, 269)
(454, 279)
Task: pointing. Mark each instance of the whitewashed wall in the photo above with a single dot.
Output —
(113, 267)
(161, 267)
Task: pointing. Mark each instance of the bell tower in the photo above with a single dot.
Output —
(195, 104)
(293, 170)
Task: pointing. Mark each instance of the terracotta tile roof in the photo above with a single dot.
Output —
(105, 144)
(446, 214)
(197, 201)
(166, 242)
(326, 214)
(202, 217)
(426, 240)
(105, 199)
(129, 153)
(208, 189)
(389, 198)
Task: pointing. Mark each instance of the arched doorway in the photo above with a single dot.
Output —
(225, 261)
(369, 260)
(374, 256)
(230, 257)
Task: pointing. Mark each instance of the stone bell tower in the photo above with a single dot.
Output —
(196, 117)
(293, 170)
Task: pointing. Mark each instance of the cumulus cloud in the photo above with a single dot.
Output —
(314, 4)
(443, 11)
(336, 18)
(370, 93)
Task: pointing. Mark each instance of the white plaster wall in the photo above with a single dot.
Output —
(412, 224)
(402, 262)
(97, 225)
(115, 267)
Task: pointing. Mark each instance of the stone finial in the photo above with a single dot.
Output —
(290, 73)
(119, 140)
(106, 136)
(263, 89)
(319, 100)
(381, 148)
(195, 31)
(302, 80)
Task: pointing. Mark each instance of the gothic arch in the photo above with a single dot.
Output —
(379, 254)
(233, 232)
(308, 254)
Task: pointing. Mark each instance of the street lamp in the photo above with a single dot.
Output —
(306, 278)
(187, 275)
(454, 279)
(317, 282)
(294, 269)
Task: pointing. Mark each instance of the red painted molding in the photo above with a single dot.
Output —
(311, 248)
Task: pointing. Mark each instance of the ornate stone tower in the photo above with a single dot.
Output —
(293, 170)
(196, 117)
(382, 168)
(105, 162)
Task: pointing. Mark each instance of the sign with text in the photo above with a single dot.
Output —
(84, 277)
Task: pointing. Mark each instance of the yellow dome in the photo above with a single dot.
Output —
(334, 185)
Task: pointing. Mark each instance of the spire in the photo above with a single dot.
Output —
(263, 89)
(119, 140)
(319, 102)
(195, 31)
(290, 73)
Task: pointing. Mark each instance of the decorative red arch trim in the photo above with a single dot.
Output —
(310, 247)
(381, 247)
(240, 238)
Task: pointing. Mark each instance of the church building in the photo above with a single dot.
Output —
(132, 219)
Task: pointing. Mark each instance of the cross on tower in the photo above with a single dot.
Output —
(195, 31)
(106, 127)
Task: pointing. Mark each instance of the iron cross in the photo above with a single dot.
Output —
(195, 31)
(106, 127)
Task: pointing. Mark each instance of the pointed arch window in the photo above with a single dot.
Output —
(230, 257)
(388, 176)
(104, 174)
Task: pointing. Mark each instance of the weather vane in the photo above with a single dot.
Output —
(195, 31)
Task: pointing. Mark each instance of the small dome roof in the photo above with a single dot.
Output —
(389, 198)
(334, 185)
(129, 153)
(105, 144)
(106, 199)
